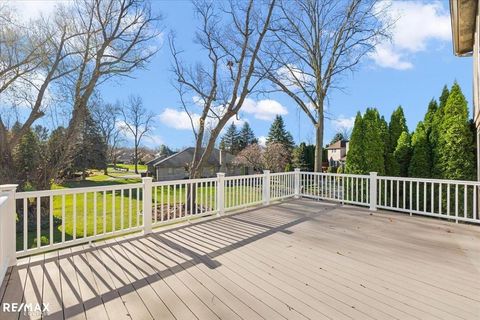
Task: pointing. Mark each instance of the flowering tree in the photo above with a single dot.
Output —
(273, 157)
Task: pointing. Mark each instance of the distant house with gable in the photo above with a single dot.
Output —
(337, 153)
(175, 166)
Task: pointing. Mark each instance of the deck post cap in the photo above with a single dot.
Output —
(8, 187)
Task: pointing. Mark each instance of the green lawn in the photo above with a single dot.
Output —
(131, 167)
(108, 211)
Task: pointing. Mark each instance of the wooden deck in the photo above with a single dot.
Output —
(296, 260)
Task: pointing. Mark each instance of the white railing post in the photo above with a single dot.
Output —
(147, 205)
(8, 219)
(297, 183)
(266, 187)
(373, 191)
(220, 193)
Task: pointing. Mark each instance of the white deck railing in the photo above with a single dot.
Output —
(447, 199)
(52, 219)
(7, 228)
(36, 221)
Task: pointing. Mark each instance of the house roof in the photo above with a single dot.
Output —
(463, 15)
(340, 144)
(156, 159)
(184, 157)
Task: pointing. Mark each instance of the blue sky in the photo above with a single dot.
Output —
(408, 71)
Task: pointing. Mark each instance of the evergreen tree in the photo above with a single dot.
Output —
(429, 116)
(444, 97)
(434, 133)
(356, 153)
(384, 135)
(454, 149)
(230, 141)
(91, 151)
(397, 125)
(300, 157)
(421, 161)
(403, 153)
(246, 136)
(337, 137)
(27, 158)
(164, 150)
(54, 145)
(278, 134)
(303, 157)
(309, 157)
(373, 143)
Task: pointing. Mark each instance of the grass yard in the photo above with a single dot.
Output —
(131, 167)
(80, 208)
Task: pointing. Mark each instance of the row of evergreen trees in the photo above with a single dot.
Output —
(235, 140)
(442, 145)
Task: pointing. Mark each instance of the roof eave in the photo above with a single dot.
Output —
(463, 16)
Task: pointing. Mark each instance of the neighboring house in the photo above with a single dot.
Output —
(127, 155)
(175, 167)
(466, 42)
(123, 156)
(337, 153)
(150, 164)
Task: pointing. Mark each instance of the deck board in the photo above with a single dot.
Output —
(72, 300)
(52, 293)
(33, 290)
(88, 288)
(300, 259)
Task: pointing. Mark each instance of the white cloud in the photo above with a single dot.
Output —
(417, 23)
(32, 9)
(237, 122)
(342, 124)
(262, 141)
(265, 109)
(180, 120)
(153, 140)
(386, 57)
(177, 119)
(292, 76)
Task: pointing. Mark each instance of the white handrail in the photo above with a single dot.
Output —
(56, 192)
(51, 219)
(447, 199)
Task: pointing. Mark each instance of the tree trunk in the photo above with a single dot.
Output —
(319, 139)
(135, 159)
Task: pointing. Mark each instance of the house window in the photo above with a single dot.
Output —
(170, 170)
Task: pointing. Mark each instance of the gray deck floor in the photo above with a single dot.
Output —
(296, 260)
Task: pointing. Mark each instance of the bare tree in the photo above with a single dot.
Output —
(138, 122)
(273, 157)
(80, 47)
(34, 57)
(19, 54)
(313, 44)
(232, 42)
(106, 116)
(117, 37)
